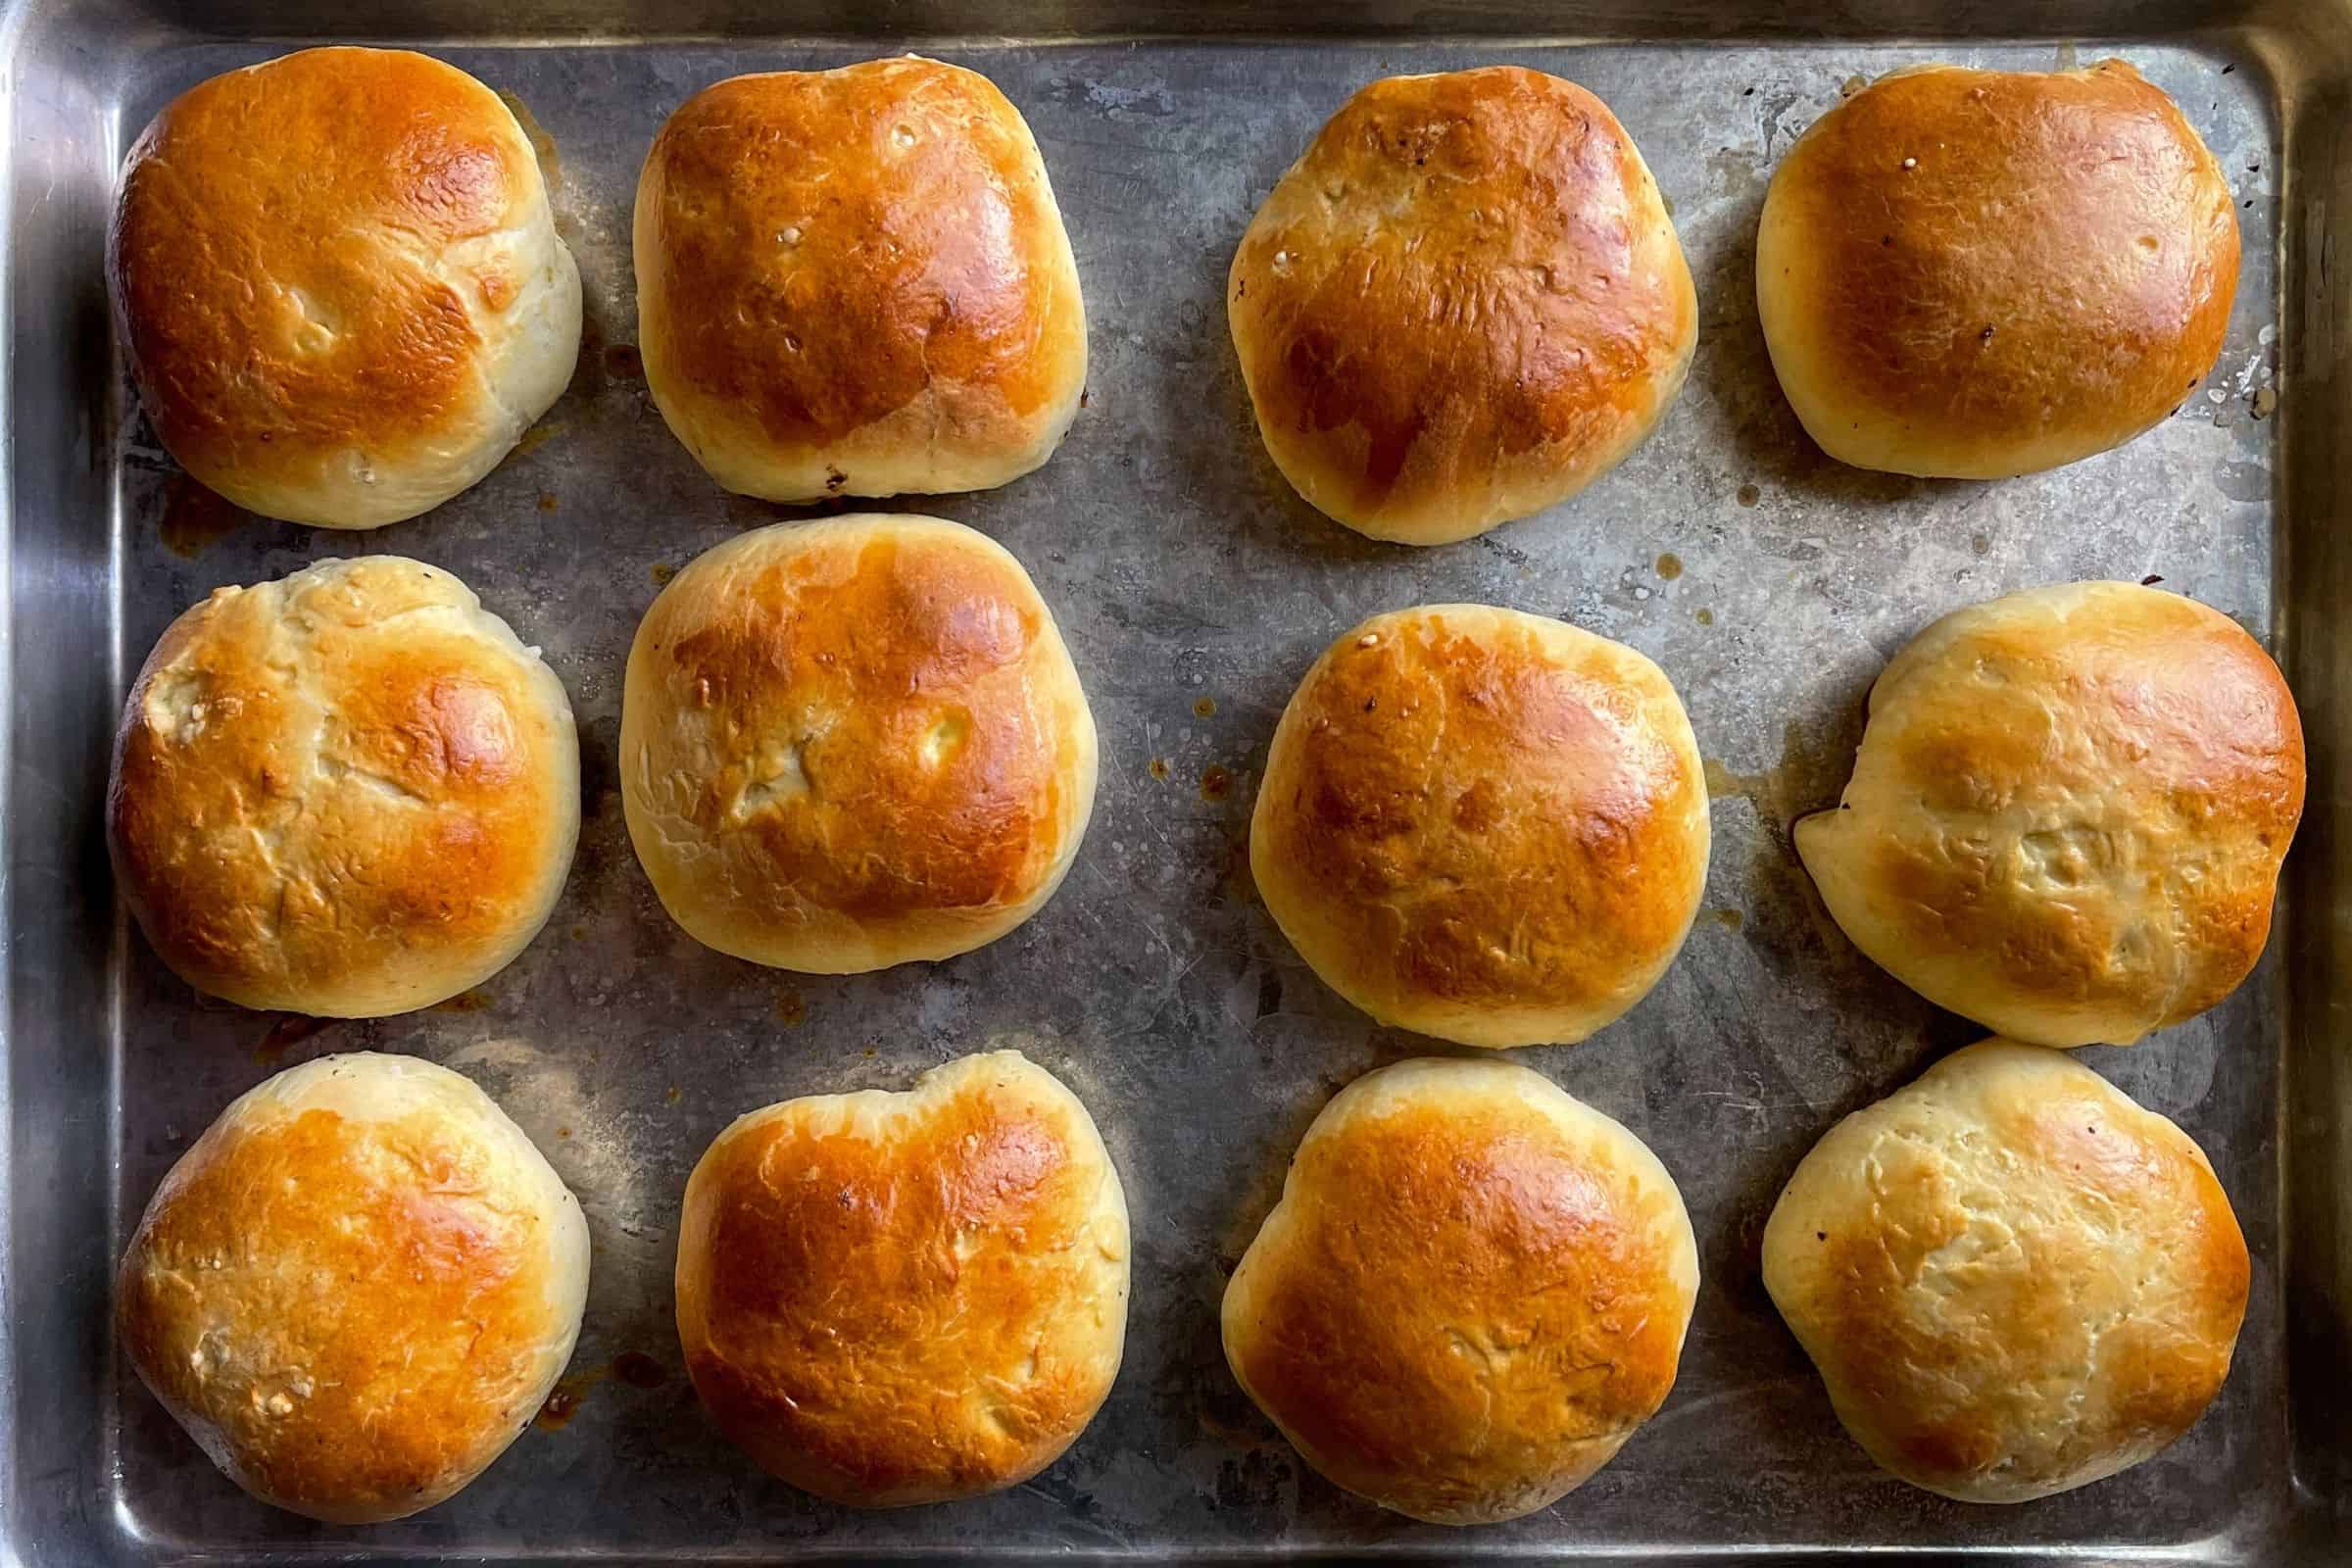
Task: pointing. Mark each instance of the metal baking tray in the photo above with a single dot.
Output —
(1194, 589)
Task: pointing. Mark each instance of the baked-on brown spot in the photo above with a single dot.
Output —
(906, 1302)
(2013, 1280)
(1978, 273)
(1461, 304)
(332, 791)
(369, 1296)
(858, 719)
(194, 517)
(1467, 810)
(1461, 1309)
(820, 252)
(2067, 813)
(326, 346)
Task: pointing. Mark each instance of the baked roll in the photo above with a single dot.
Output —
(1483, 826)
(891, 1298)
(357, 1287)
(1977, 274)
(1464, 303)
(340, 284)
(855, 282)
(1473, 1291)
(2013, 1280)
(851, 744)
(351, 792)
(2068, 813)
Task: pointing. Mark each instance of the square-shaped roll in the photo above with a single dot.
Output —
(857, 282)
(854, 743)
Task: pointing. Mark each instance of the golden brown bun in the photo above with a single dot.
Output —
(357, 1287)
(341, 285)
(855, 282)
(1481, 825)
(350, 792)
(2014, 1280)
(1976, 274)
(889, 1298)
(1473, 1291)
(854, 743)
(1464, 303)
(2067, 813)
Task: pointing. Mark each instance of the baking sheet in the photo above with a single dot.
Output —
(1194, 588)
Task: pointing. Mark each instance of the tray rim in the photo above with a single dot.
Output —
(2305, 46)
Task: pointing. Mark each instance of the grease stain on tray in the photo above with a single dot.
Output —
(1236, 880)
(564, 1401)
(194, 518)
(1783, 909)
(538, 436)
(551, 162)
(1723, 782)
(632, 1367)
(290, 1030)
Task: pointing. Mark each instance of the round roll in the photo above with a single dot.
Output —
(1464, 303)
(340, 284)
(857, 282)
(891, 1298)
(357, 1287)
(1473, 1291)
(2013, 1278)
(1483, 826)
(2068, 813)
(351, 792)
(1976, 274)
(854, 743)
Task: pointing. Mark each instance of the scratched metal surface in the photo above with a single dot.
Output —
(1194, 588)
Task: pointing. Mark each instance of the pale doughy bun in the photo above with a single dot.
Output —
(340, 284)
(1474, 1289)
(855, 743)
(357, 1287)
(350, 792)
(2013, 1278)
(1977, 274)
(1464, 303)
(891, 1298)
(2068, 813)
(855, 282)
(1483, 826)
